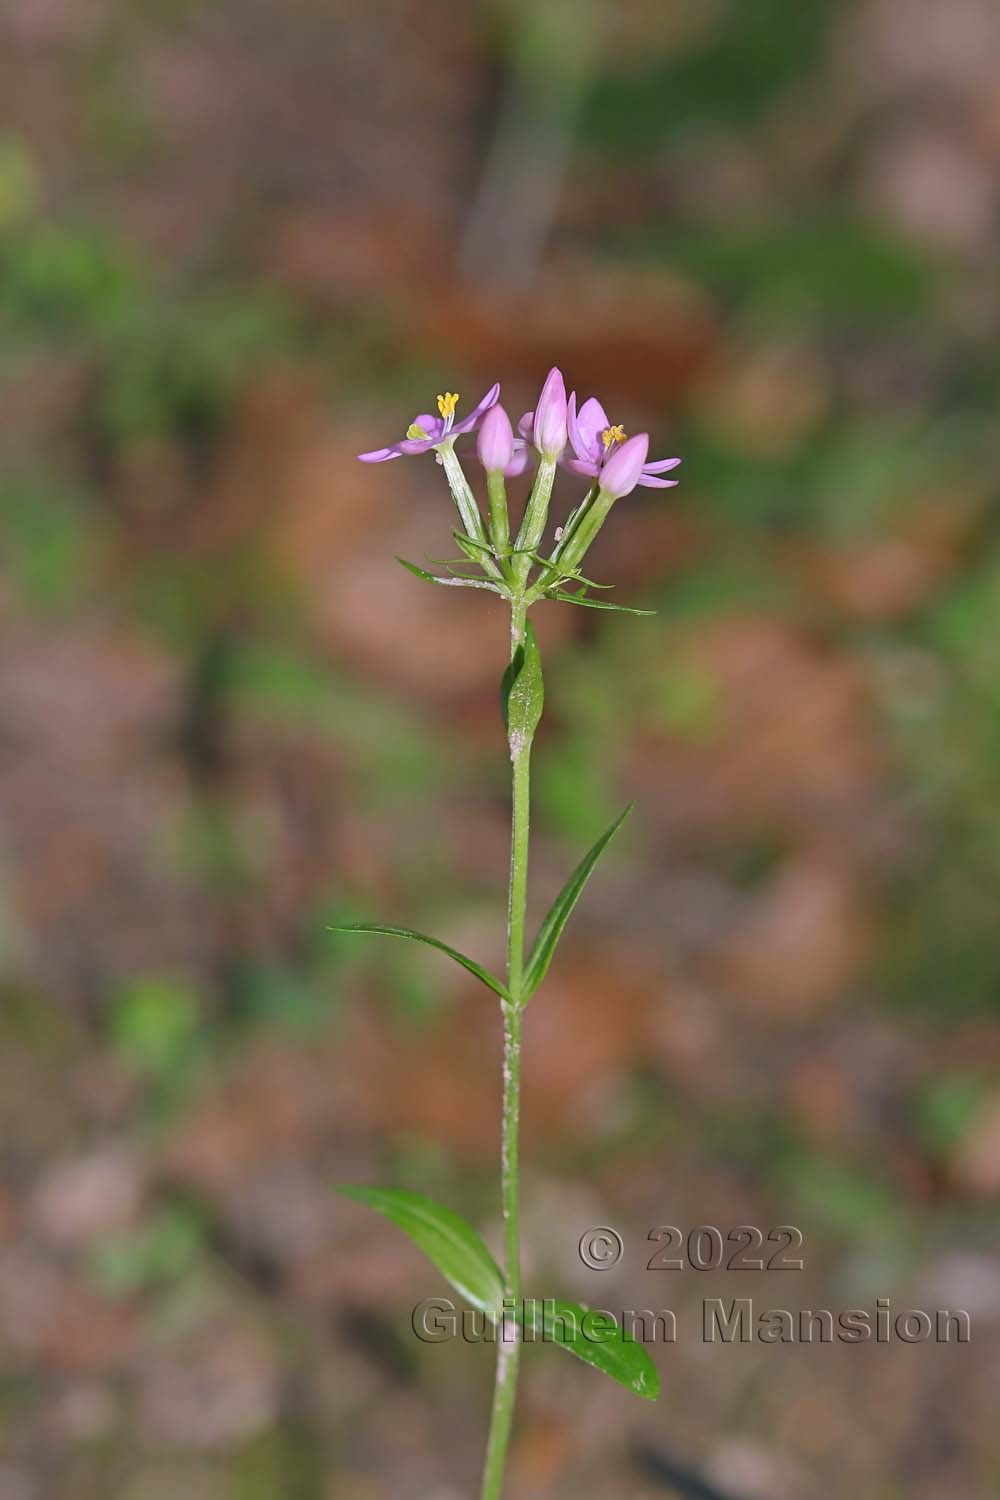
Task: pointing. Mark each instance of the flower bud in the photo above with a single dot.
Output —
(495, 440)
(620, 474)
(550, 416)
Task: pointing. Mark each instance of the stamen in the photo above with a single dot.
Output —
(615, 434)
(447, 404)
(416, 434)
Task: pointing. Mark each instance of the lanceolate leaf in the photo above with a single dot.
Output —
(591, 1337)
(447, 1240)
(622, 609)
(551, 929)
(385, 930)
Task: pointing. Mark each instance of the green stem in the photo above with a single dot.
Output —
(535, 515)
(589, 524)
(555, 566)
(509, 1331)
(499, 519)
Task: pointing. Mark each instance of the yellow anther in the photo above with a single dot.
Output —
(616, 434)
(416, 434)
(447, 404)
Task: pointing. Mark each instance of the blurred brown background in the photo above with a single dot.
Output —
(240, 242)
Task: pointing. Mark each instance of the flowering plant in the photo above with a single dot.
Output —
(519, 572)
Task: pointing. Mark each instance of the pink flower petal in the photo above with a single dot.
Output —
(522, 459)
(490, 399)
(621, 473)
(591, 422)
(379, 455)
(572, 430)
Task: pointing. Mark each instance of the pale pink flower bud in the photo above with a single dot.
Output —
(495, 440)
(622, 472)
(550, 416)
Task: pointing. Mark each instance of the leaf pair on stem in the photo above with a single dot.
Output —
(546, 941)
(458, 1252)
(451, 1244)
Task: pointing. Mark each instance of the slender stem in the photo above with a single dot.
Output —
(586, 529)
(509, 1329)
(551, 573)
(535, 515)
(499, 519)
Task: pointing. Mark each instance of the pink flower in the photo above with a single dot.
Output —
(597, 443)
(427, 431)
(498, 449)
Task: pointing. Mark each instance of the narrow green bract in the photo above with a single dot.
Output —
(453, 583)
(620, 609)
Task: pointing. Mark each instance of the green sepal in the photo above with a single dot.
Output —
(558, 915)
(551, 1321)
(386, 930)
(522, 691)
(447, 1240)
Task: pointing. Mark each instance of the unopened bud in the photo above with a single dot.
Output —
(550, 416)
(495, 440)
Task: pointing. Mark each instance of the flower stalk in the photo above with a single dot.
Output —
(536, 512)
(465, 500)
(496, 494)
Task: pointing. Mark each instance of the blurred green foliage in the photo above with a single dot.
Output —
(160, 1250)
(751, 52)
(155, 1025)
(822, 274)
(51, 541)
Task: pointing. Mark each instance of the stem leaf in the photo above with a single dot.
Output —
(576, 1328)
(559, 912)
(449, 1243)
(387, 930)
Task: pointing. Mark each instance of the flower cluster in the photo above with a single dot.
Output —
(554, 434)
